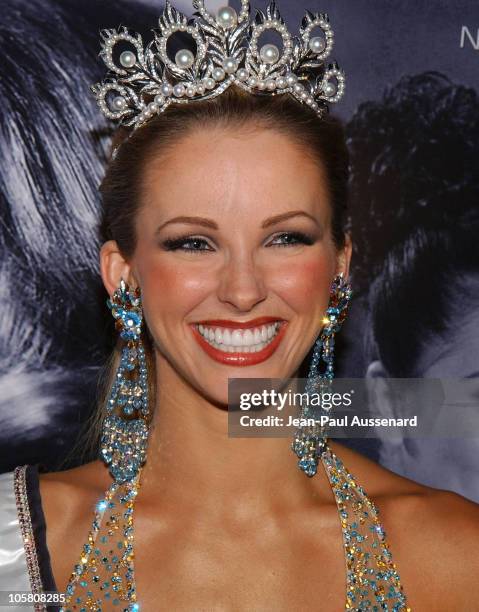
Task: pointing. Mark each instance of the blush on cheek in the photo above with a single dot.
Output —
(309, 281)
(167, 287)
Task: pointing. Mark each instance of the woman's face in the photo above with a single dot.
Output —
(234, 256)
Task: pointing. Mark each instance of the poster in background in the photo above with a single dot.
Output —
(411, 114)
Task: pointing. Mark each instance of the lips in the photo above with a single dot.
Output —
(240, 343)
(237, 324)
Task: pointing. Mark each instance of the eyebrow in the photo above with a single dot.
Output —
(213, 225)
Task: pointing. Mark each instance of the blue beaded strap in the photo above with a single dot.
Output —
(103, 577)
(373, 583)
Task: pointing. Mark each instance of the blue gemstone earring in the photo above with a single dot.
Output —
(125, 435)
(310, 441)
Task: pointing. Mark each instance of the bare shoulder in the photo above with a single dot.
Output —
(68, 488)
(70, 494)
(68, 501)
(378, 481)
(433, 534)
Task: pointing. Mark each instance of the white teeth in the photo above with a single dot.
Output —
(250, 340)
(237, 338)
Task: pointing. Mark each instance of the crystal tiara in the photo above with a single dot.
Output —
(145, 81)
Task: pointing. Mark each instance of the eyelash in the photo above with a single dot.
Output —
(174, 244)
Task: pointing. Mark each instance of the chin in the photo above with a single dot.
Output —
(217, 381)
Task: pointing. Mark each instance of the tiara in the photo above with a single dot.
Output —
(144, 81)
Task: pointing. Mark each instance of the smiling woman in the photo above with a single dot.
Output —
(224, 256)
(240, 240)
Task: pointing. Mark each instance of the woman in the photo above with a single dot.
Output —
(227, 215)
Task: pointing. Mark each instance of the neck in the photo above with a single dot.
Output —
(189, 444)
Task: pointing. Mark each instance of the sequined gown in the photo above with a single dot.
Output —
(373, 582)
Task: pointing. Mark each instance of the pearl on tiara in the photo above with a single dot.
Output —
(184, 58)
(228, 51)
(218, 74)
(127, 59)
(269, 54)
(119, 103)
(230, 65)
(166, 89)
(179, 90)
(329, 89)
(226, 17)
(317, 44)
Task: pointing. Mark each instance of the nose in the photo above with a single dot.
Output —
(242, 285)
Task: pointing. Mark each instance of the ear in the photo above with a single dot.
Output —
(382, 400)
(379, 391)
(344, 257)
(376, 369)
(114, 267)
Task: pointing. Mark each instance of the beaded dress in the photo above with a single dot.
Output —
(103, 578)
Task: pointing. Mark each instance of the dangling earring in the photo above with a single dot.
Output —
(310, 441)
(125, 436)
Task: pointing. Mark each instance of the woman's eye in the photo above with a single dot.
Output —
(192, 244)
(291, 238)
(196, 244)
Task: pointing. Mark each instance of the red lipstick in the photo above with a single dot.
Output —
(237, 324)
(240, 359)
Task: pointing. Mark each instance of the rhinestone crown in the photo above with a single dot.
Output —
(142, 82)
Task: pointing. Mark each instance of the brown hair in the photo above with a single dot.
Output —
(121, 187)
(323, 138)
